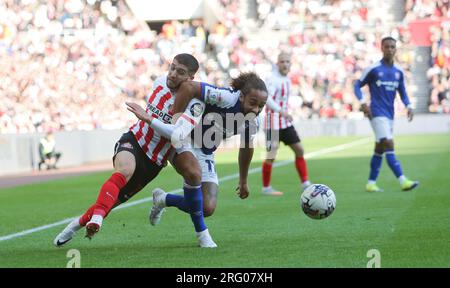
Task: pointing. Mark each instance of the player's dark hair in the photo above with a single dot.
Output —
(189, 61)
(386, 39)
(248, 81)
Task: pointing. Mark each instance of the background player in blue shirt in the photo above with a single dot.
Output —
(384, 79)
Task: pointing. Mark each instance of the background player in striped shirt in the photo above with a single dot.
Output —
(142, 152)
(228, 112)
(278, 125)
(384, 79)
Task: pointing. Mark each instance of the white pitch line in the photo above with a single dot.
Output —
(225, 178)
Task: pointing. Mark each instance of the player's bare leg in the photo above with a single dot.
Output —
(124, 166)
(210, 191)
(92, 219)
(182, 164)
(186, 164)
(267, 189)
(300, 164)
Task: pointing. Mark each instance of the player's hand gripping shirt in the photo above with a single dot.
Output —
(160, 101)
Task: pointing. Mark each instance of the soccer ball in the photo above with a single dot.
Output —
(318, 201)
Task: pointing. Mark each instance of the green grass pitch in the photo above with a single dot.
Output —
(409, 229)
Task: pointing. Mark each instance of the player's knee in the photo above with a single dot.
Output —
(209, 204)
(385, 144)
(208, 210)
(389, 145)
(379, 150)
(379, 147)
(193, 176)
(298, 149)
(126, 171)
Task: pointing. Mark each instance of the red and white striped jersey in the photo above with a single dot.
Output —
(278, 88)
(159, 105)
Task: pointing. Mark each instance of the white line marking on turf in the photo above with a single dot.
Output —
(225, 178)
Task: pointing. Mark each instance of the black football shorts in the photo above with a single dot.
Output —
(146, 170)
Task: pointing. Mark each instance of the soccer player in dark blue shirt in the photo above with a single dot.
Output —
(227, 112)
(384, 79)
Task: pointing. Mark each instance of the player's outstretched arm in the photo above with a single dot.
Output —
(187, 91)
(245, 158)
(175, 132)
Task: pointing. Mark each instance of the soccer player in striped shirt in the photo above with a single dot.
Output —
(278, 126)
(142, 152)
(384, 79)
(227, 112)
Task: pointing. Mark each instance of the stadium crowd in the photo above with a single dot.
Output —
(420, 9)
(71, 64)
(439, 72)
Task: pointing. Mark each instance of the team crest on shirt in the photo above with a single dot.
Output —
(170, 109)
(397, 75)
(380, 74)
(196, 109)
(213, 97)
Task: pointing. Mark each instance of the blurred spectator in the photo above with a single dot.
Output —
(47, 153)
(419, 9)
(439, 72)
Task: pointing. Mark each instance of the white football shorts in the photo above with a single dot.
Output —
(383, 127)
(206, 162)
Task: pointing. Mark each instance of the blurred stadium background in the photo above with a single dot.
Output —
(69, 66)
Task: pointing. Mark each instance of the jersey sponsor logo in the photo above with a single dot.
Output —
(196, 110)
(389, 85)
(126, 145)
(166, 117)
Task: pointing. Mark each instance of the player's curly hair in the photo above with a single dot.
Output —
(248, 81)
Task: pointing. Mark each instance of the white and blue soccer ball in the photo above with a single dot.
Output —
(318, 201)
